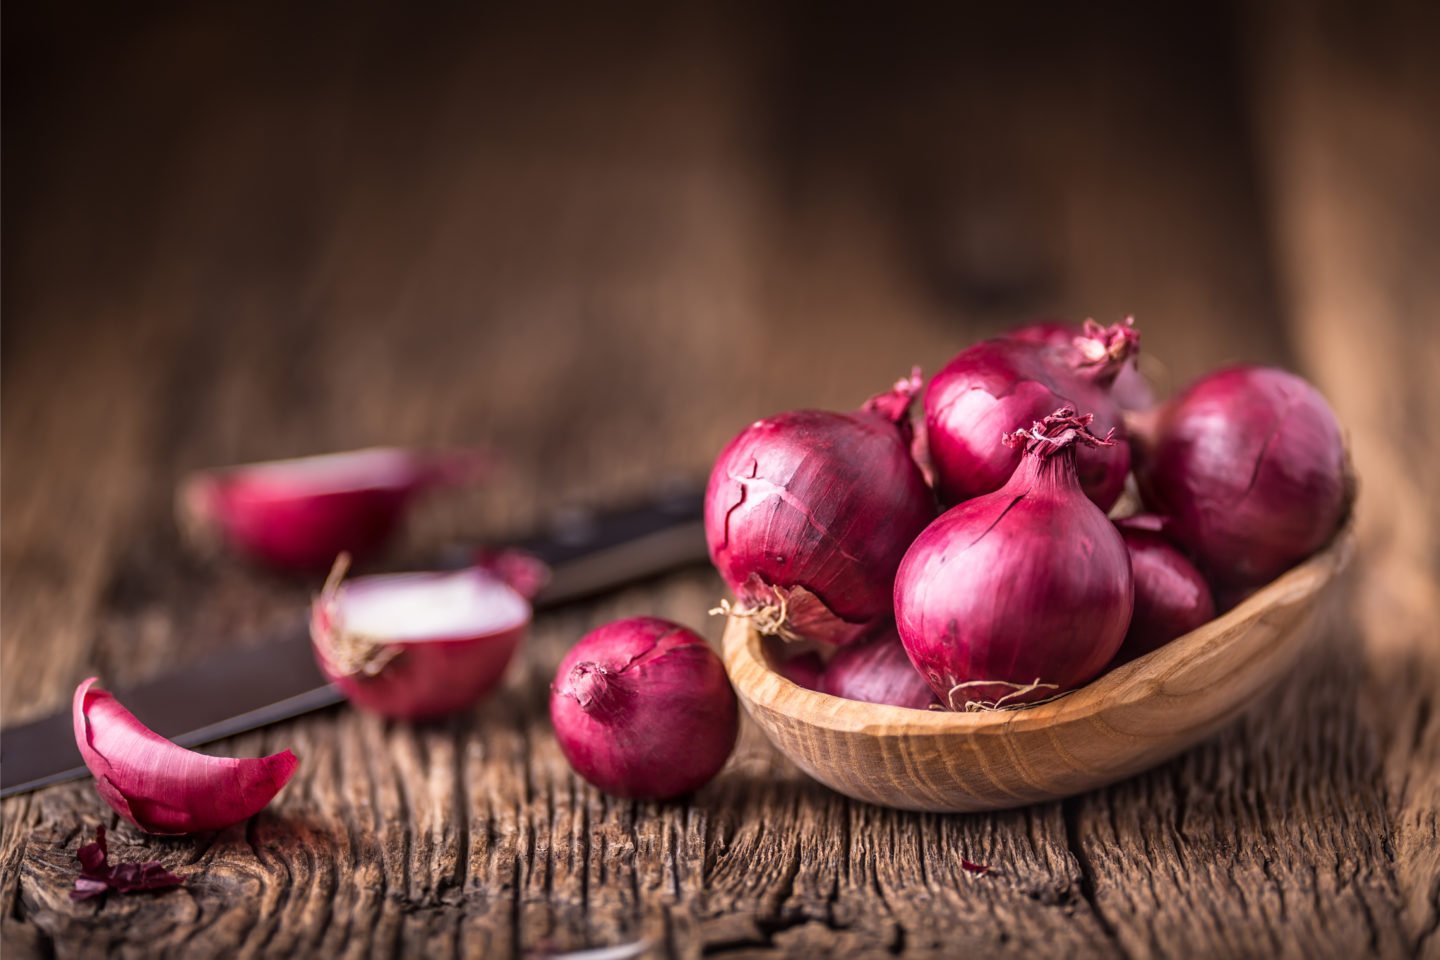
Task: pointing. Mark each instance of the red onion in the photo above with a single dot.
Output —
(877, 670)
(1130, 389)
(642, 708)
(1171, 597)
(1019, 594)
(802, 669)
(1250, 467)
(298, 515)
(998, 386)
(417, 646)
(808, 513)
(161, 787)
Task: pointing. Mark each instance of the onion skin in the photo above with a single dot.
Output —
(1020, 594)
(425, 679)
(1171, 596)
(808, 513)
(877, 670)
(642, 709)
(159, 786)
(1001, 385)
(1249, 466)
(263, 513)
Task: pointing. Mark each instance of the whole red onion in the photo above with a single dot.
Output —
(1019, 594)
(877, 670)
(1000, 385)
(1129, 388)
(804, 669)
(642, 708)
(808, 513)
(1249, 465)
(1171, 597)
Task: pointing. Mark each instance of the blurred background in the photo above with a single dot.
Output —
(601, 238)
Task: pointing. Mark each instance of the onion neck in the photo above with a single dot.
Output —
(592, 688)
(1050, 446)
(1102, 352)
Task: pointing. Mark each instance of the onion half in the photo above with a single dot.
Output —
(417, 646)
(158, 785)
(298, 515)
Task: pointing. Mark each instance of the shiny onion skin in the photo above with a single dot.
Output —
(1171, 597)
(1000, 385)
(1249, 466)
(876, 669)
(1020, 594)
(802, 669)
(642, 708)
(158, 785)
(1128, 386)
(808, 513)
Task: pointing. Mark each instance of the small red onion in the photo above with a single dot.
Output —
(158, 785)
(1019, 594)
(1249, 465)
(1130, 389)
(298, 515)
(1171, 597)
(808, 513)
(802, 669)
(416, 646)
(998, 386)
(642, 708)
(877, 670)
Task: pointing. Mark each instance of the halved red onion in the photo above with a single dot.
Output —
(808, 513)
(416, 646)
(1002, 385)
(160, 786)
(300, 514)
(1171, 597)
(1249, 466)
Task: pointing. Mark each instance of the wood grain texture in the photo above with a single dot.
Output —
(1122, 722)
(601, 242)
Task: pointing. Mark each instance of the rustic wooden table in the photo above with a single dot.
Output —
(601, 243)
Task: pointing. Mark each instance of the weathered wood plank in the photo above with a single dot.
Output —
(332, 234)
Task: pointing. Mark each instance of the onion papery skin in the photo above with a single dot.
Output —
(877, 670)
(1171, 596)
(279, 515)
(1250, 469)
(413, 679)
(1130, 389)
(1028, 585)
(1002, 385)
(642, 709)
(808, 513)
(161, 787)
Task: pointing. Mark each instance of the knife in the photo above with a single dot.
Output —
(588, 553)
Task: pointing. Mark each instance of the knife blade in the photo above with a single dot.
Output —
(220, 695)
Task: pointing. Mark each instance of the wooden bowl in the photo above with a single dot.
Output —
(1125, 721)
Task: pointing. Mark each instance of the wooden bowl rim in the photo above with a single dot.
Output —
(1140, 679)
